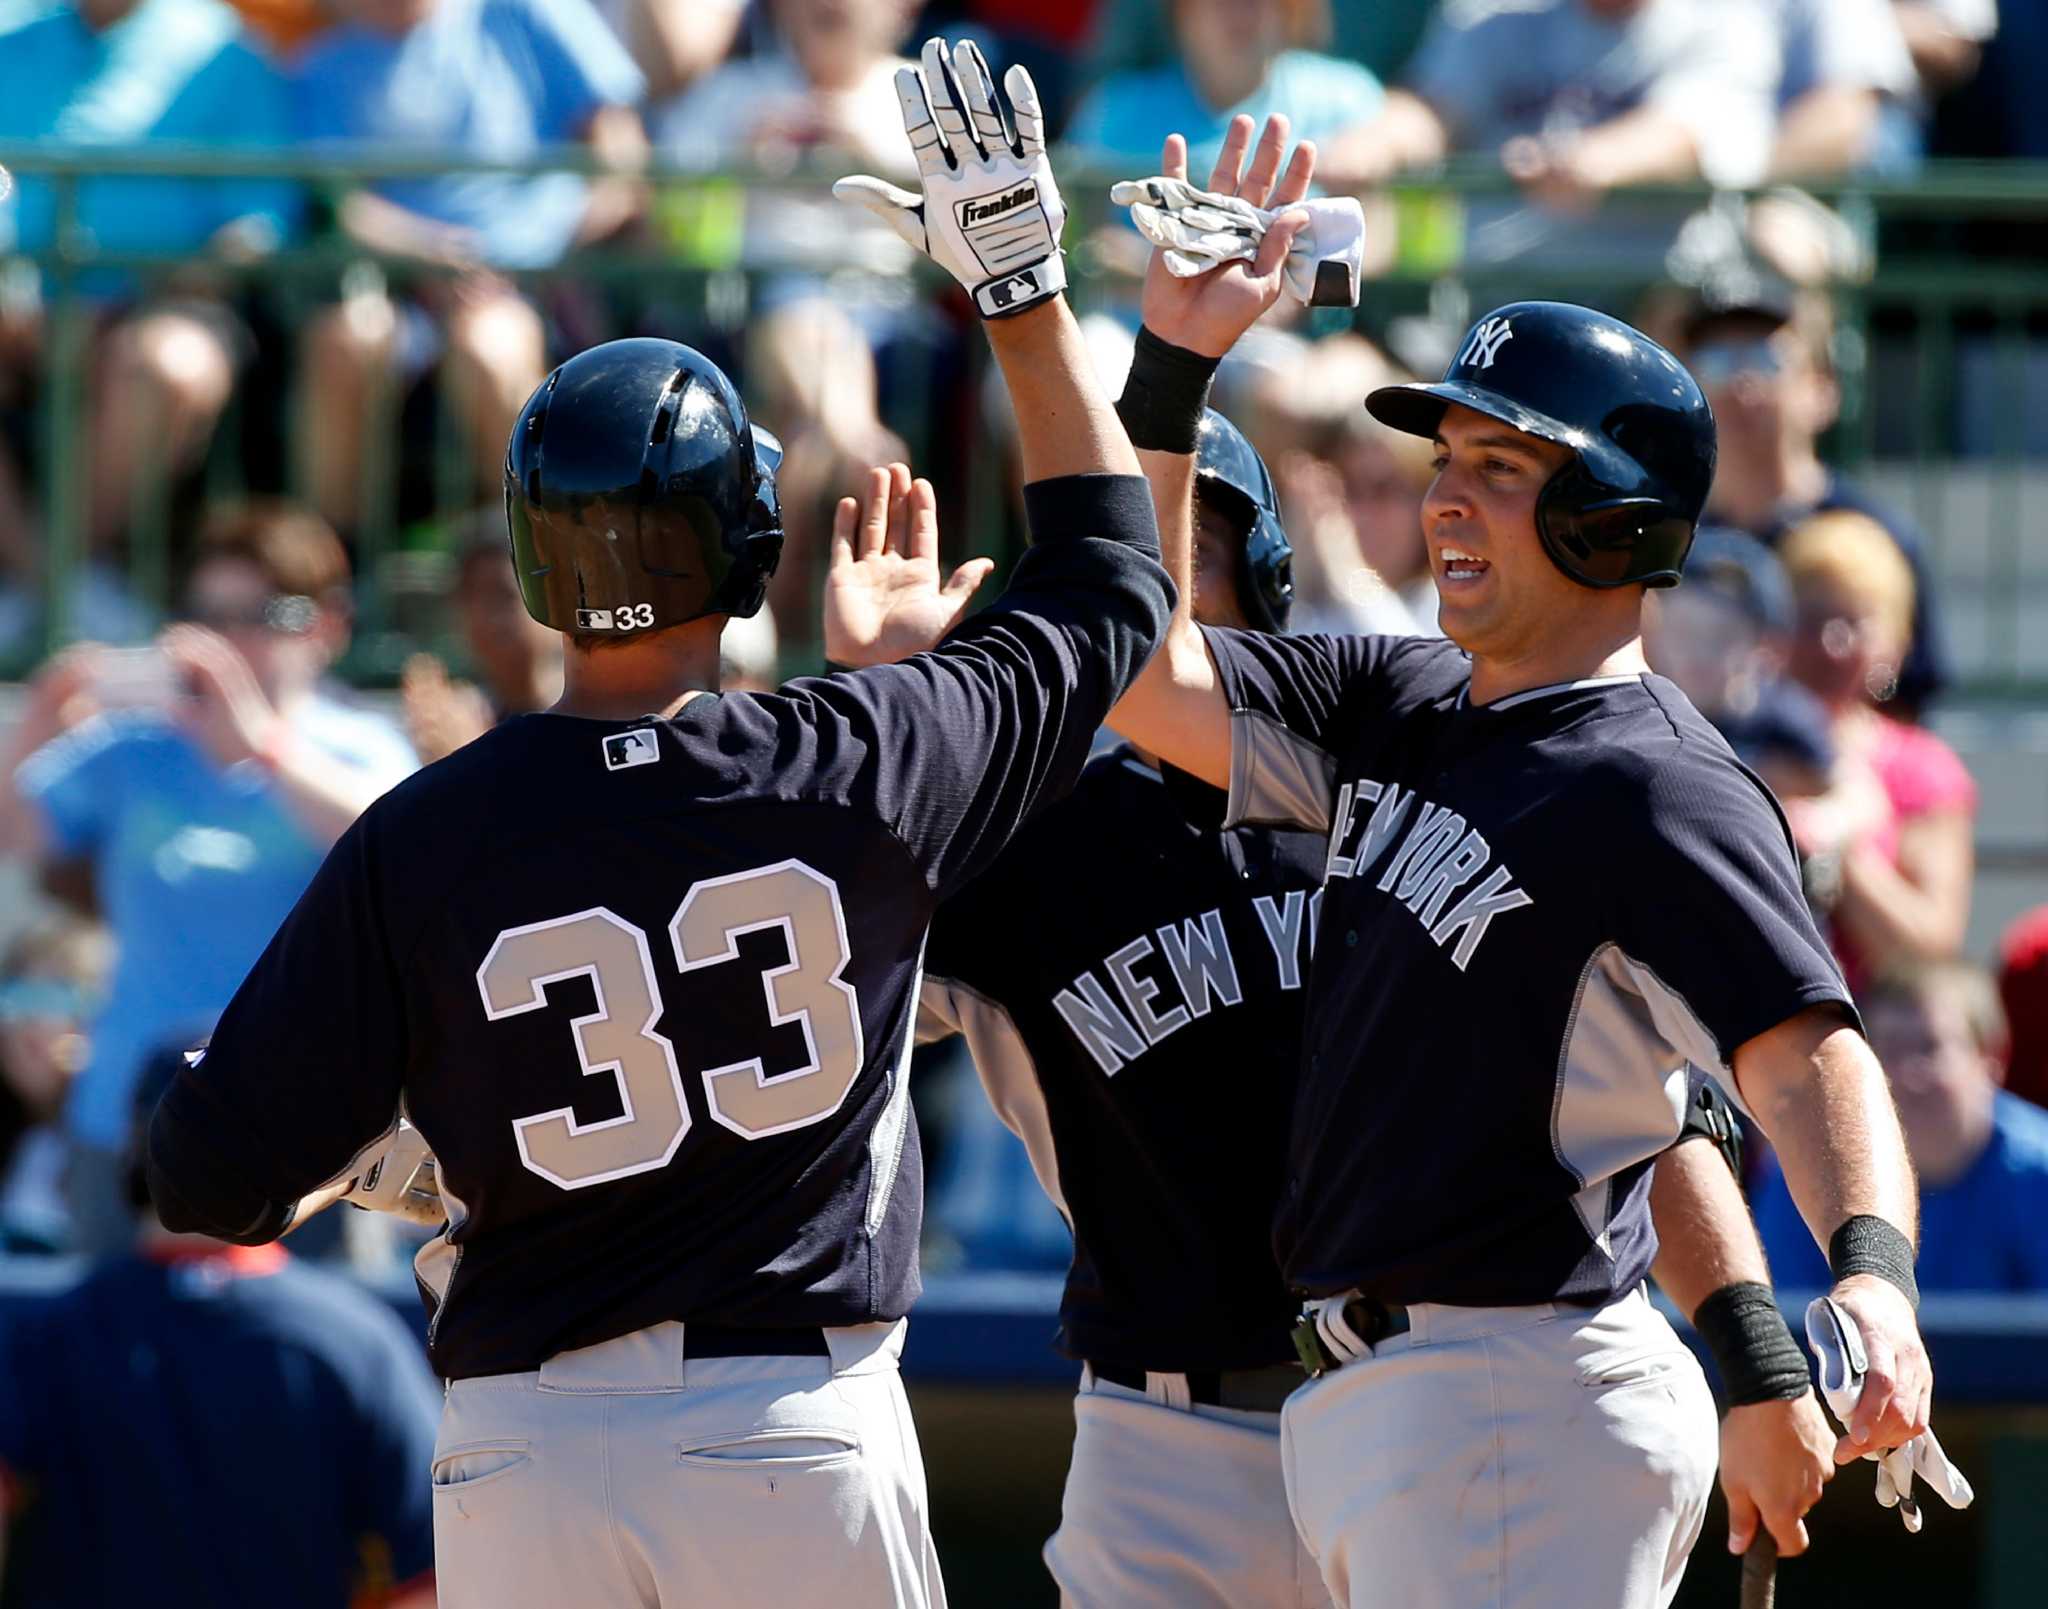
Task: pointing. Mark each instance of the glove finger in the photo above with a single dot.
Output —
(1026, 110)
(971, 67)
(1935, 1469)
(899, 209)
(1132, 192)
(948, 101)
(926, 141)
(1182, 266)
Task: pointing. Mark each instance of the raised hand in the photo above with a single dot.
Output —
(883, 597)
(990, 215)
(1209, 312)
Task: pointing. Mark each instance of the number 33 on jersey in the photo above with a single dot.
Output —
(619, 1037)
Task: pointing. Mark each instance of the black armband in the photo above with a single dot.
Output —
(1866, 1244)
(1710, 1116)
(1165, 395)
(1752, 1346)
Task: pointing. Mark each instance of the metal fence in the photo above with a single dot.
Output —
(1944, 351)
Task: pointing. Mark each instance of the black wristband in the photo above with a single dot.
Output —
(1866, 1244)
(1165, 395)
(1752, 1346)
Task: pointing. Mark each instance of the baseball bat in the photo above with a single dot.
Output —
(1760, 1572)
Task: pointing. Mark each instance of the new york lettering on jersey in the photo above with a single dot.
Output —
(1130, 979)
(1543, 917)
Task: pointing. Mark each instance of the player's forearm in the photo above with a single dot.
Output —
(1176, 707)
(1818, 1092)
(1705, 1239)
(1065, 424)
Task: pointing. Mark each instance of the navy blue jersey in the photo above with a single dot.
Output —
(647, 989)
(1542, 915)
(212, 1434)
(1128, 976)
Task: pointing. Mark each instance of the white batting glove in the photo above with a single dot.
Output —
(1838, 1348)
(1198, 230)
(990, 214)
(401, 1180)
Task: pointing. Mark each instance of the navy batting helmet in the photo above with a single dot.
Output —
(1623, 510)
(1230, 473)
(638, 493)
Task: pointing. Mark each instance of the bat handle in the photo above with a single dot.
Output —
(1760, 1572)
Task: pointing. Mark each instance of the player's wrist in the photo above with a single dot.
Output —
(1867, 1244)
(1751, 1344)
(1165, 395)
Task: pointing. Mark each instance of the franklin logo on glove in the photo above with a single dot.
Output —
(974, 212)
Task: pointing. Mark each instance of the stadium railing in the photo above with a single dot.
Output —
(1943, 346)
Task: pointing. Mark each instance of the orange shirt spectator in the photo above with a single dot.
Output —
(283, 25)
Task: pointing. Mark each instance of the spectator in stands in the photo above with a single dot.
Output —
(1899, 814)
(1946, 40)
(1846, 68)
(2023, 987)
(1381, 36)
(502, 80)
(1579, 96)
(50, 984)
(101, 73)
(749, 654)
(674, 42)
(1350, 491)
(205, 1425)
(203, 781)
(1981, 1154)
(1764, 353)
(518, 661)
(1236, 58)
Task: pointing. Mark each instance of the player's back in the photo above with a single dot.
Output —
(659, 1060)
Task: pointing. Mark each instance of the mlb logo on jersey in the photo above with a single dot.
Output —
(624, 750)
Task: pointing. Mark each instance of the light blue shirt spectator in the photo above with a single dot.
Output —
(1986, 1230)
(195, 868)
(169, 71)
(489, 79)
(1123, 123)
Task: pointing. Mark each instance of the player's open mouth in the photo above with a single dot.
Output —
(1461, 566)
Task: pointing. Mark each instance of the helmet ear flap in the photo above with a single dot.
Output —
(1601, 538)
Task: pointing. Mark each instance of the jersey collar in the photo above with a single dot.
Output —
(1528, 695)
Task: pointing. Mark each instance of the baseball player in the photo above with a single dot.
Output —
(650, 1002)
(1552, 893)
(1125, 971)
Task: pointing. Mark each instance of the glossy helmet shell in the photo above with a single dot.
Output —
(1624, 509)
(638, 493)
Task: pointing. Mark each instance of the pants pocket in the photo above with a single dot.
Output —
(782, 1446)
(476, 1463)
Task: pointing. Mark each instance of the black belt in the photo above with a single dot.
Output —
(1249, 1390)
(1371, 1321)
(746, 1341)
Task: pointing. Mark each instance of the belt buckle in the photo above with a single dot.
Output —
(1316, 1358)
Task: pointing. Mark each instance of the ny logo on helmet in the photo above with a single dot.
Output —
(1486, 342)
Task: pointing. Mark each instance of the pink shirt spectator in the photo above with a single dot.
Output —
(1921, 776)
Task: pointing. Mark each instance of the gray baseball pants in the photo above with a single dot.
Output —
(626, 1476)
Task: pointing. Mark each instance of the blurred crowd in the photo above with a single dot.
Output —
(169, 784)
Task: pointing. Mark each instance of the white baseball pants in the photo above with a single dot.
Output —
(1173, 1506)
(1506, 1458)
(623, 1476)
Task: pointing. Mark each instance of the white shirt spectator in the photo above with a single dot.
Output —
(763, 112)
(1845, 44)
(1496, 69)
